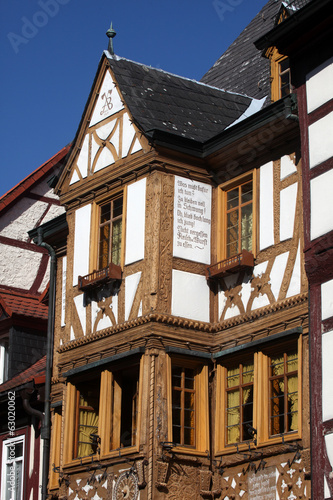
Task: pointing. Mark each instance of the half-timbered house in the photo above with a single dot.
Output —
(181, 313)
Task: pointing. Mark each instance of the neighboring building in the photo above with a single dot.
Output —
(181, 357)
(306, 39)
(23, 326)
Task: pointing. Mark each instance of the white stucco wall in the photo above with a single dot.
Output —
(135, 221)
(288, 198)
(321, 203)
(190, 296)
(277, 273)
(102, 110)
(321, 140)
(327, 300)
(319, 85)
(19, 267)
(131, 286)
(22, 217)
(327, 374)
(81, 311)
(266, 214)
(288, 167)
(81, 242)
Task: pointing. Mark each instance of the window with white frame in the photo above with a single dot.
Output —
(3, 362)
(12, 468)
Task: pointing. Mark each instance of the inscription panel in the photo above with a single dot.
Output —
(192, 220)
(262, 485)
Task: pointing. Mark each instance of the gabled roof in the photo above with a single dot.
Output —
(28, 375)
(186, 108)
(26, 184)
(241, 68)
(17, 304)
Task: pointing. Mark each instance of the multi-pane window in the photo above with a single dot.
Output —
(258, 397)
(124, 408)
(110, 232)
(183, 406)
(12, 468)
(239, 402)
(283, 382)
(239, 218)
(284, 77)
(86, 418)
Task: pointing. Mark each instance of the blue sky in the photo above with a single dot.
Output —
(50, 49)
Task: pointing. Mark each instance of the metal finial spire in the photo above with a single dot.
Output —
(111, 34)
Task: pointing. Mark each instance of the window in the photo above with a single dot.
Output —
(259, 397)
(3, 362)
(280, 76)
(110, 232)
(237, 209)
(188, 405)
(12, 468)
(103, 414)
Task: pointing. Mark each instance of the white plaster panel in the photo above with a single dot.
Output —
(295, 282)
(277, 273)
(327, 493)
(114, 307)
(222, 300)
(82, 161)
(288, 167)
(104, 160)
(319, 85)
(190, 296)
(108, 102)
(94, 148)
(260, 269)
(260, 301)
(81, 242)
(81, 310)
(75, 177)
(231, 312)
(246, 293)
(63, 291)
(321, 140)
(104, 131)
(321, 203)
(55, 211)
(266, 215)
(104, 322)
(131, 286)
(45, 279)
(135, 221)
(22, 217)
(329, 447)
(327, 299)
(18, 267)
(327, 375)
(72, 334)
(136, 146)
(192, 220)
(288, 198)
(128, 135)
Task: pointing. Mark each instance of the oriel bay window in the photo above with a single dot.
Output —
(188, 405)
(103, 414)
(258, 397)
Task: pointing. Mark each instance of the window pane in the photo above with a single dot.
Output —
(248, 373)
(105, 213)
(246, 227)
(232, 233)
(88, 409)
(246, 192)
(292, 362)
(129, 400)
(233, 377)
(189, 378)
(189, 436)
(277, 365)
(232, 198)
(183, 405)
(116, 242)
(117, 207)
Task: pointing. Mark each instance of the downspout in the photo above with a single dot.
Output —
(45, 431)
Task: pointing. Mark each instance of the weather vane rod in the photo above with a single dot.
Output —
(111, 34)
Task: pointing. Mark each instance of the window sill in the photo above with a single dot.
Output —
(101, 277)
(239, 262)
(280, 440)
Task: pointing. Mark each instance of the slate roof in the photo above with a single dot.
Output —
(242, 68)
(18, 304)
(162, 101)
(28, 375)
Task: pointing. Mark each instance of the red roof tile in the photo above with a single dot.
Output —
(18, 304)
(35, 370)
(14, 193)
